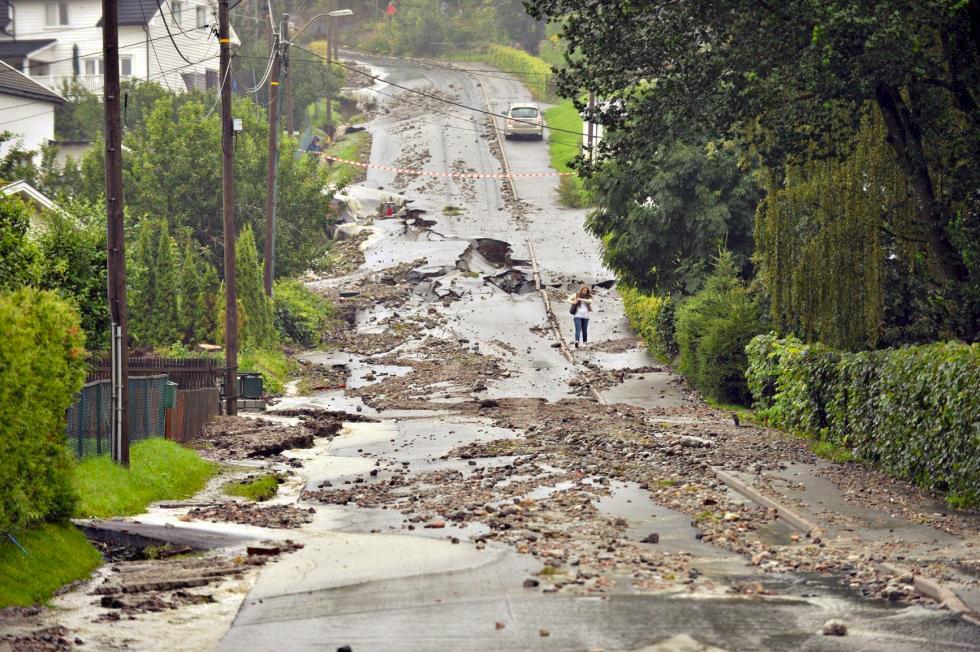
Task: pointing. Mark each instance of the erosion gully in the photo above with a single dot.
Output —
(453, 481)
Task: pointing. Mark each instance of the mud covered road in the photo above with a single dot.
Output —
(453, 479)
(496, 504)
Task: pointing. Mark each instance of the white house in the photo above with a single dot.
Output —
(26, 110)
(54, 41)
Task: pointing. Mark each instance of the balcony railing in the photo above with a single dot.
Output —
(93, 83)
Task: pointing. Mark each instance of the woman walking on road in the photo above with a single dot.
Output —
(581, 310)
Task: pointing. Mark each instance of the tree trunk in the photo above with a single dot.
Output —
(905, 139)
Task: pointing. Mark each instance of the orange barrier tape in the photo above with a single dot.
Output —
(459, 175)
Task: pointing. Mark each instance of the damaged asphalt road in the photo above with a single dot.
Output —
(453, 481)
(494, 504)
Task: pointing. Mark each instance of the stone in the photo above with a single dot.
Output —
(531, 583)
(834, 628)
(653, 537)
(544, 632)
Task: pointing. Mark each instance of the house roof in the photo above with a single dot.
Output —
(14, 82)
(28, 191)
(15, 49)
(135, 12)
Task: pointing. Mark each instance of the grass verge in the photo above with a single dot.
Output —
(57, 553)
(158, 470)
(258, 489)
(563, 147)
(353, 147)
(274, 366)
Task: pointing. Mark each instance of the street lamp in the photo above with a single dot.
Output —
(339, 13)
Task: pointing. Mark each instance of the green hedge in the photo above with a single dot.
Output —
(42, 366)
(652, 317)
(534, 72)
(914, 411)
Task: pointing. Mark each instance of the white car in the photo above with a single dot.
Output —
(524, 120)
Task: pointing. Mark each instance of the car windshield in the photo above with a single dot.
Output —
(524, 112)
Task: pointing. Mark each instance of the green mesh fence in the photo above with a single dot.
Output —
(88, 428)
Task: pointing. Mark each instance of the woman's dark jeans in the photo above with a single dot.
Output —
(582, 329)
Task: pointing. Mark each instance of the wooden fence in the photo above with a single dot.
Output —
(188, 373)
(189, 416)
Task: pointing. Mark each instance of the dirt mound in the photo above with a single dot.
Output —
(239, 437)
(271, 516)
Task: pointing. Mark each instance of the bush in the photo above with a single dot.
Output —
(42, 366)
(914, 411)
(652, 317)
(300, 313)
(534, 72)
(713, 328)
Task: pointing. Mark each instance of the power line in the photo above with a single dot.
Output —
(94, 52)
(162, 72)
(431, 96)
(167, 27)
(153, 46)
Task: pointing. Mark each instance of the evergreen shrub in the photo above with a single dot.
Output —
(712, 329)
(42, 366)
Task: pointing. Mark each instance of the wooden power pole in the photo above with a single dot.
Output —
(116, 245)
(228, 213)
(271, 186)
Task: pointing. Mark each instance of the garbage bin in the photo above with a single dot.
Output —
(170, 395)
(250, 386)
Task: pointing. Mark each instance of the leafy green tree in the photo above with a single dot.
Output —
(256, 316)
(792, 76)
(663, 218)
(73, 264)
(141, 279)
(18, 255)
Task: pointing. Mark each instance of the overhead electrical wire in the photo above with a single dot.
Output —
(162, 72)
(167, 27)
(93, 53)
(430, 95)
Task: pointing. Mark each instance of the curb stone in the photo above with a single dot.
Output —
(930, 588)
(925, 586)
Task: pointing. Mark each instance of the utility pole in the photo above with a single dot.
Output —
(116, 245)
(269, 248)
(228, 214)
(115, 234)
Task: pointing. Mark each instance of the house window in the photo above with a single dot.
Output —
(126, 66)
(39, 68)
(175, 9)
(93, 67)
(55, 14)
(202, 16)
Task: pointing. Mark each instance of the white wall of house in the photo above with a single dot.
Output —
(31, 120)
(145, 53)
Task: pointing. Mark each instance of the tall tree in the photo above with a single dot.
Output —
(792, 76)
